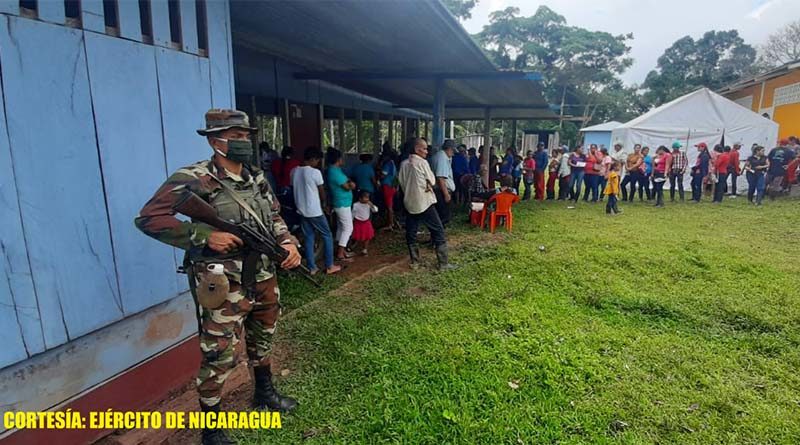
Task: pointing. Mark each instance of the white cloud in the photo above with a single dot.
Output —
(657, 24)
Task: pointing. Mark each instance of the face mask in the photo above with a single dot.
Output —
(239, 150)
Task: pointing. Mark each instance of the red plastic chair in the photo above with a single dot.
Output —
(503, 202)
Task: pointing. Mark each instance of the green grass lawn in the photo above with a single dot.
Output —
(670, 326)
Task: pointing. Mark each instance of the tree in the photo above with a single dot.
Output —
(461, 9)
(715, 60)
(783, 46)
(577, 64)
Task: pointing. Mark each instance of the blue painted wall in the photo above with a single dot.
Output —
(90, 125)
(597, 137)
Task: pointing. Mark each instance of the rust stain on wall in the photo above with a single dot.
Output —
(163, 326)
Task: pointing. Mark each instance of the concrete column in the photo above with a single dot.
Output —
(438, 114)
(287, 138)
(391, 131)
(487, 141)
(341, 129)
(358, 130)
(376, 132)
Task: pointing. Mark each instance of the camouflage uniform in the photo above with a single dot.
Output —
(256, 312)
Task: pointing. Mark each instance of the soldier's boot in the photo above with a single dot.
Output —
(413, 252)
(214, 436)
(443, 259)
(266, 397)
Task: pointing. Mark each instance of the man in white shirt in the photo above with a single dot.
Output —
(309, 197)
(417, 182)
(441, 164)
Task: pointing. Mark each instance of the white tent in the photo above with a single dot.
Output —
(701, 116)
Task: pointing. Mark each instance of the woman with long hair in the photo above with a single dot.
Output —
(661, 165)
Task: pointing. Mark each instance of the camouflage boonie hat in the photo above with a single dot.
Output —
(219, 119)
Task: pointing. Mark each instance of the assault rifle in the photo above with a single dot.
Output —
(256, 243)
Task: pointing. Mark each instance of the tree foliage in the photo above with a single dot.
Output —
(713, 61)
(577, 64)
(461, 9)
(782, 47)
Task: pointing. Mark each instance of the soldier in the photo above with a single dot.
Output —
(255, 310)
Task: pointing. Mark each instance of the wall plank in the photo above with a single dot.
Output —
(58, 179)
(185, 98)
(132, 152)
(160, 12)
(52, 11)
(130, 23)
(19, 310)
(189, 26)
(219, 53)
(92, 15)
(9, 7)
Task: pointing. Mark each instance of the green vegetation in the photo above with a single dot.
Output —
(676, 325)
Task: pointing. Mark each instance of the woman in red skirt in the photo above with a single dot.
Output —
(363, 231)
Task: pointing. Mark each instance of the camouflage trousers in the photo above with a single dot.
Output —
(222, 329)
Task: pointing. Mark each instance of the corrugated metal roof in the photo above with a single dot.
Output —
(750, 81)
(409, 37)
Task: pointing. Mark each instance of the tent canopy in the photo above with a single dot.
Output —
(701, 116)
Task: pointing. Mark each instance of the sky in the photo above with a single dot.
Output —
(656, 24)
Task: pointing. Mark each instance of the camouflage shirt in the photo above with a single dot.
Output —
(157, 217)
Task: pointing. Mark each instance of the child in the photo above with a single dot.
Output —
(362, 225)
(612, 189)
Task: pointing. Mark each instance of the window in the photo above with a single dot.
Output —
(175, 24)
(72, 11)
(146, 21)
(29, 8)
(789, 94)
(202, 27)
(111, 17)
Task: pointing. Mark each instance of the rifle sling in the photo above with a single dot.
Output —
(242, 203)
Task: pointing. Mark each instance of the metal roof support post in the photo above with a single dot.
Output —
(417, 127)
(341, 129)
(514, 135)
(438, 113)
(404, 131)
(425, 134)
(359, 117)
(487, 143)
(391, 130)
(376, 132)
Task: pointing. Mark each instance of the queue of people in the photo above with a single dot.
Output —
(319, 195)
(432, 181)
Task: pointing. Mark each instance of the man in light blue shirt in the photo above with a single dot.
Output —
(441, 164)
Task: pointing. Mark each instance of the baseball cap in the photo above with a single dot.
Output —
(701, 145)
(676, 145)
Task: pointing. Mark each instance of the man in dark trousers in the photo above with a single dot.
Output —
(417, 183)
